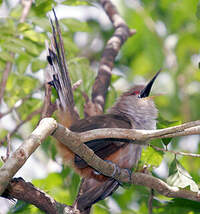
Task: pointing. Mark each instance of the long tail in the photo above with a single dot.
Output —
(60, 76)
(94, 191)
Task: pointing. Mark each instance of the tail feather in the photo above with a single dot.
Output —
(96, 191)
(59, 72)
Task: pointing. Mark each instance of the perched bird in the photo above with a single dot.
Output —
(134, 109)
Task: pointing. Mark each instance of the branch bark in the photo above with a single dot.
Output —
(19, 157)
(20, 189)
(74, 141)
(121, 34)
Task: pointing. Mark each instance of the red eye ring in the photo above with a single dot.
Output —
(135, 92)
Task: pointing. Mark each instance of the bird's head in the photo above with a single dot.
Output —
(138, 106)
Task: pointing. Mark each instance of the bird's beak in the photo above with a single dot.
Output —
(146, 91)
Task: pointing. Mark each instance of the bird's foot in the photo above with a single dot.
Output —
(115, 172)
(116, 169)
(129, 173)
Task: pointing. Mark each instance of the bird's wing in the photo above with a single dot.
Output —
(101, 147)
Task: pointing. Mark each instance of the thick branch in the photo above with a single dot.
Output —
(189, 128)
(75, 142)
(21, 190)
(121, 34)
(162, 187)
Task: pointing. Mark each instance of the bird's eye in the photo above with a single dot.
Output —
(135, 92)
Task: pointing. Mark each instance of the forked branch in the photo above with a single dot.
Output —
(74, 141)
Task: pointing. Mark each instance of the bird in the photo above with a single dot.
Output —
(134, 109)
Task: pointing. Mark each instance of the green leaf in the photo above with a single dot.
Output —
(39, 2)
(179, 177)
(15, 48)
(22, 62)
(27, 44)
(38, 64)
(16, 12)
(52, 180)
(23, 86)
(181, 205)
(151, 157)
(76, 2)
(24, 27)
(162, 123)
(41, 22)
(75, 25)
(5, 56)
(42, 7)
(80, 69)
(166, 141)
(29, 106)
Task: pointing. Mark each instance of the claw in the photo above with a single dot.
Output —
(129, 173)
(116, 168)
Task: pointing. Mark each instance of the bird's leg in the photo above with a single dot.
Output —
(115, 172)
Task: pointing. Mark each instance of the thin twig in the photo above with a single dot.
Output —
(21, 102)
(76, 85)
(8, 146)
(176, 153)
(150, 201)
(26, 7)
(7, 150)
(5, 77)
(29, 117)
(19, 157)
(48, 107)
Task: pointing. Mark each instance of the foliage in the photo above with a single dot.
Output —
(167, 37)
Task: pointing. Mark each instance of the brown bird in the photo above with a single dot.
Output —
(134, 109)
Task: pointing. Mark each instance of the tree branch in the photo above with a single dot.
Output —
(27, 5)
(121, 34)
(4, 78)
(48, 106)
(162, 187)
(29, 117)
(21, 190)
(22, 101)
(19, 157)
(176, 153)
(75, 142)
